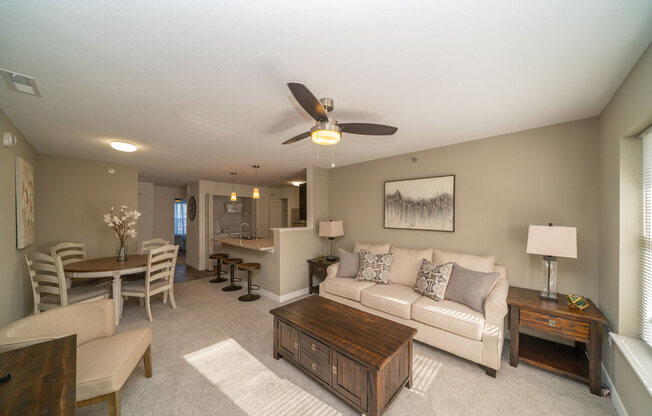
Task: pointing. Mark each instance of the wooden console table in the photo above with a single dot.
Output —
(319, 268)
(39, 379)
(584, 327)
(362, 358)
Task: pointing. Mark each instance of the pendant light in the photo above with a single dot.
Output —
(234, 197)
(256, 190)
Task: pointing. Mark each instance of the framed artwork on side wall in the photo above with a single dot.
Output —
(421, 204)
(24, 203)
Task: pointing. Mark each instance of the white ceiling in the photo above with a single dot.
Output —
(200, 85)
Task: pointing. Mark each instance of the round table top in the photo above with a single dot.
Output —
(107, 264)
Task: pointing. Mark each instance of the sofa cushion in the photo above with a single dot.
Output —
(449, 316)
(406, 264)
(393, 299)
(372, 248)
(103, 365)
(345, 287)
(470, 287)
(480, 263)
(374, 267)
(432, 280)
(349, 263)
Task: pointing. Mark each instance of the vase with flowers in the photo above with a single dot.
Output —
(124, 225)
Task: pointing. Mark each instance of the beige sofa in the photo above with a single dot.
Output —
(446, 325)
(104, 359)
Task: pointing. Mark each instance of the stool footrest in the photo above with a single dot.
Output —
(254, 287)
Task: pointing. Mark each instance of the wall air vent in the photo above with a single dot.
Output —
(20, 83)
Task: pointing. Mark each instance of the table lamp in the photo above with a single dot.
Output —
(331, 229)
(552, 242)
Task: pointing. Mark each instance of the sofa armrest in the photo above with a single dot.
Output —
(89, 320)
(331, 271)
(495, 307)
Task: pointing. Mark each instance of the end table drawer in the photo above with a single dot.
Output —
(318, 349)
(578, 330)
(541, 321)
(555, 324)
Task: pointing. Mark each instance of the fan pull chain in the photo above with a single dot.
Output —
(332, 156)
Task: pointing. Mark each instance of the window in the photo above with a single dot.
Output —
(180, 217)
(646, 240)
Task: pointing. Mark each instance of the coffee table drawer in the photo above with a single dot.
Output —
(316, 365)
(317, 348)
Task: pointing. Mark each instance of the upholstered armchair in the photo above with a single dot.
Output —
(104, 359)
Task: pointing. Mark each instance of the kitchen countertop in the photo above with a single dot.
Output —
(262, 244)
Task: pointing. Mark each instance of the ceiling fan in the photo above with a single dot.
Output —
(327, 130)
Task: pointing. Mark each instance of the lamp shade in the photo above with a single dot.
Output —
(552, 241)
(331, 228)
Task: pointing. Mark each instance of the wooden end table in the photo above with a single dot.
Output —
(319, 268)
(584, 327)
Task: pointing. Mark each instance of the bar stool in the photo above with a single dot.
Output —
(232, 262)
(220, 272)
(249, 268)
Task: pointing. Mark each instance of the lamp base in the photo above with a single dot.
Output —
(549, 291)
(552, 296)
(331, 258)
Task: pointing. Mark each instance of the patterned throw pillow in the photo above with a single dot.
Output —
(432, 280)
(374, 267)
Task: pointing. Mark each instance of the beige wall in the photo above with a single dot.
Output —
(15, 287)
(627, 114)
(502, 185)
(72, 196)
(164, 197)
(146, 209)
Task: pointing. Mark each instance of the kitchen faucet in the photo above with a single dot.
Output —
(248, 226)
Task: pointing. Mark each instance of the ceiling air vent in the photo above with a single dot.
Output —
(20, 83)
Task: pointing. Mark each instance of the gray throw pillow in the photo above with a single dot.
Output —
(432, 280)
(470, 287)
(374, 267)
(349, 263)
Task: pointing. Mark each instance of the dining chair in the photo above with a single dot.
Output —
(147, 245)
(49, 284)
(159, 277)
(69, 252)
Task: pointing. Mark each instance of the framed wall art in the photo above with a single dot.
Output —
(24, 203)
(421, 204)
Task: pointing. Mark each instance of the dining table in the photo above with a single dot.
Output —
(108, 267)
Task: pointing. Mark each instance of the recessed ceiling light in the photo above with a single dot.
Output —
(20, 83)
(124, 146)
(111, 170)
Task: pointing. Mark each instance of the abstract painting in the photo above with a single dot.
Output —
(24, 203)
(421, 204)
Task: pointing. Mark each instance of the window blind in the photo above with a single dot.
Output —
(646, 240)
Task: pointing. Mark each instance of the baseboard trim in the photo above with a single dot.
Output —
(615, 398)
(284, 298)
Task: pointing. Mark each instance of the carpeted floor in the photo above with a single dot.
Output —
(213, 356)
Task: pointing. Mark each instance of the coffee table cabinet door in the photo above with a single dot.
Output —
(350, 379)
(289, 340)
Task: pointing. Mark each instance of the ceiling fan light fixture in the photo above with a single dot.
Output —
(326, 133)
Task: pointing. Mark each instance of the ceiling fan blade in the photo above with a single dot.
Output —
(368, 128)
(298, 137)
(308, 101)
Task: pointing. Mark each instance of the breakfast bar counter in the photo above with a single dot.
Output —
(259, 244)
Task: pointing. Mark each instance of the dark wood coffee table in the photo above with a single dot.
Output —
(362, 358)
